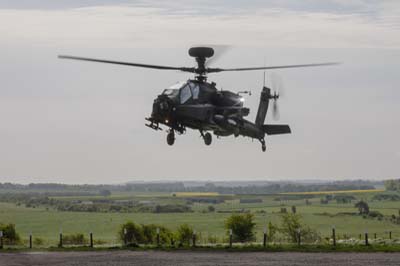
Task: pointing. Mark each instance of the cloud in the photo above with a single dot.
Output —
(130, 25)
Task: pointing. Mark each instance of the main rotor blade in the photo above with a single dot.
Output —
(211, 70)
(186, 69)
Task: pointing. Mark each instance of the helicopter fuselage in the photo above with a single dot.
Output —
(201, 106)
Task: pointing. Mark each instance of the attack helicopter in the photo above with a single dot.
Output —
(199, 105)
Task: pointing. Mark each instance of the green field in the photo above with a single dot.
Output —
(46, 222)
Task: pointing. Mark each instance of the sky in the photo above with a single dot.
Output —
(81, 122)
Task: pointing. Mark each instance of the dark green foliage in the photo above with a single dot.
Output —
(375, 214)
(392, 185)
(242, 226)
(344, 198)
(392, 197)
(184, 234)
(150, 234)
(134, 233)
(211, 208)
(294, 209)
(10, 235)
(362, 206)
(171, 208)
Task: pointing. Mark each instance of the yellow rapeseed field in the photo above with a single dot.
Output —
(333, 192)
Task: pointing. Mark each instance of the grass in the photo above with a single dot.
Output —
(220, 248)
(46, 223)
(333, 192)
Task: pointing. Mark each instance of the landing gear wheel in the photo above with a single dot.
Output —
(207, 138)
(171, 138)
(263, 146)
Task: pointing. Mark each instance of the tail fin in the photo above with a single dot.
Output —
(276, 129)
(263, 107)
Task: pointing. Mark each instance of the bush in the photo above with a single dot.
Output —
(134, 233)
(291, 223)
(211, 208)
(242, 226)
(74, 239)
(375, 214)
(150, 234)
(184, 234)
(10, 235)
(37, 241)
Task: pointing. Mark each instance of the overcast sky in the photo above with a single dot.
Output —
(81, 122)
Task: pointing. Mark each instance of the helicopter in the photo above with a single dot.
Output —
(199, 105)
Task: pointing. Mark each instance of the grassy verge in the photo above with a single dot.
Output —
(219, 248)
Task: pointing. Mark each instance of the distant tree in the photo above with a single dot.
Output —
(294, 210)
(242, 226)
(362, 206)
(283, 210)
(308, 202)
(211, 208)
(105, 192)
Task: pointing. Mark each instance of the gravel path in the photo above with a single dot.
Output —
(147, 258)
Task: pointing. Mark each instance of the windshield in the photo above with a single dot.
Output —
(177, 85)
(185, 93)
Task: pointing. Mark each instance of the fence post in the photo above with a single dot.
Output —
(360, 236)
(334, 235)
(230, 238)
(390, 234)
(265, 237)
(60, 244)
(125, 237)
(1, 239)
(366, 237)
(194, 238)
(30, 240)
(299, 236)
(91, 239)
(158, 236)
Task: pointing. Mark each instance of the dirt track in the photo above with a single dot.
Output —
(146, 258)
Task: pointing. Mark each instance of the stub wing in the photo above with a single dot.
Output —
(276, 129)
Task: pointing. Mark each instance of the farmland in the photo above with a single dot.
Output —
(45, 221)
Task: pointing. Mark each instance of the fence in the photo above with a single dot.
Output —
(332, 240)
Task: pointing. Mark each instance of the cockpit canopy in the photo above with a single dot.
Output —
(184, 92)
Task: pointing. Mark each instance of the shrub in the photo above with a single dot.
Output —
(37, 241)
(184, 234)
(211, 208)
(150, 234)
(74, 239)
(10, 235)
(272, 230)
(291, 223)
(242, 226)
(375, 214)
(134, 233)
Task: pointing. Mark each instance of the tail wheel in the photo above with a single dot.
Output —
(171, 138)
(207, 138)
(263, 146)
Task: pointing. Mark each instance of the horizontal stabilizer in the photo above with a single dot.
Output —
(276, 129)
